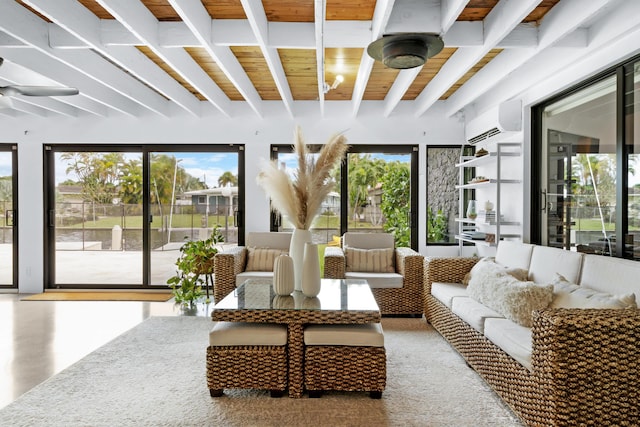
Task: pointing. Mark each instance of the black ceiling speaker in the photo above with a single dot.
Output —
(405, 50)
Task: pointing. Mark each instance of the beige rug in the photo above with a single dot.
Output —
(154, 375)
(100, 296)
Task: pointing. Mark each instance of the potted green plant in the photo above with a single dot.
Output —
(196, 260)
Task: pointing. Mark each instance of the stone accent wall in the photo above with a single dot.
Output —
(442, 177)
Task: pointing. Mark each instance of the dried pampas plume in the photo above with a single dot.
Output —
(299, 197)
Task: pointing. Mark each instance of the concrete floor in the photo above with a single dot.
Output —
(38, 339)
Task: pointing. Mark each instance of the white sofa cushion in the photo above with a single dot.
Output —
(518, 273)
(513, 339)
(239, 333)
(446, 292)
(612, 275)
(265, 239)
(368, 240)
(377, 280)
(547, 261)
(570, 295)
(472, 312)
(514, 254)
(366, 335)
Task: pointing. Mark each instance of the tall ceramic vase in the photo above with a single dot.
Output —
(296, 251)
(311, 270)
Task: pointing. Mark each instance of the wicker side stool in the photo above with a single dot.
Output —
(346, 358)
(247, 355)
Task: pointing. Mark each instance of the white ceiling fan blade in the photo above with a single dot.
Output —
(5, 102)
(43, 90)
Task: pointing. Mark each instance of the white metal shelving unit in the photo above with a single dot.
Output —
(502, 150)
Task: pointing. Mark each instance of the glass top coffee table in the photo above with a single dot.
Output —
(340, 301)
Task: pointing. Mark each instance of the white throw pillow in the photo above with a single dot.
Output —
(570, 295)
(491, 285)
(518, 273)
(262, 259)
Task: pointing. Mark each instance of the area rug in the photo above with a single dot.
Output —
(154, 375)
(100, 296)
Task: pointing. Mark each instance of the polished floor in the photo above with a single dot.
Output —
(38, 339)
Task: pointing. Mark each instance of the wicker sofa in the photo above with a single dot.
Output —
(397, 291)
(574, 366)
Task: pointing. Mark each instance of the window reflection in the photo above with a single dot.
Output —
(581, 169)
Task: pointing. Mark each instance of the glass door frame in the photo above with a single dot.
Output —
(13, 148)
(144, 150)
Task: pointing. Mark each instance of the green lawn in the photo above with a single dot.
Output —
(135, 221)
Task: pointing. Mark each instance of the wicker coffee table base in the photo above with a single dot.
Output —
(259, 367)
(345, 368)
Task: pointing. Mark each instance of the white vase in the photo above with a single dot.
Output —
(296, 251)
(311, 270)
(283, 275)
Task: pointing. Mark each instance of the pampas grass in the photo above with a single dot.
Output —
(299, 197)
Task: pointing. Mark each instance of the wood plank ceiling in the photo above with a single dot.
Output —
(221, 51)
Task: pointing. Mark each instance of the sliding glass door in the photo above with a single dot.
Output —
(589, 191)
(375, 191)
(192, 194)
(95, 217)
(8, 218)
(117, 215)
(581, 168)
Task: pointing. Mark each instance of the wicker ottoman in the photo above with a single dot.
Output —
(345, 357)
(247, 355)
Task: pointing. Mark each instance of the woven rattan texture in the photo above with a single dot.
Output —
(295, 316)
(228, 264)
(260, 367)
(585, 363)
(405, 300)
(348, 368)
(588, 364)
(295, 319)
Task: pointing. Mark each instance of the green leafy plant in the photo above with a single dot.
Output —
(196, 259)
(395, 202)
(437, 225)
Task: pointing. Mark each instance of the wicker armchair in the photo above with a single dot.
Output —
(399, 292)
(230, 265)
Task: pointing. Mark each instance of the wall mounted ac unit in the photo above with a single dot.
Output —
(502, 120)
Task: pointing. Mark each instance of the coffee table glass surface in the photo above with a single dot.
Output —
(335, 295)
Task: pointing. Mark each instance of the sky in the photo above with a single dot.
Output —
(205, 165)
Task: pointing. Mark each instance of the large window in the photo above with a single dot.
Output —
(442, 195)
(376, 191)
(117, 215)
(590, 174)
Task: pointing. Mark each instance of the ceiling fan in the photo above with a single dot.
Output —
(14, 90)
(405, 50)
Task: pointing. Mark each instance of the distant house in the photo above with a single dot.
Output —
(214, 201)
